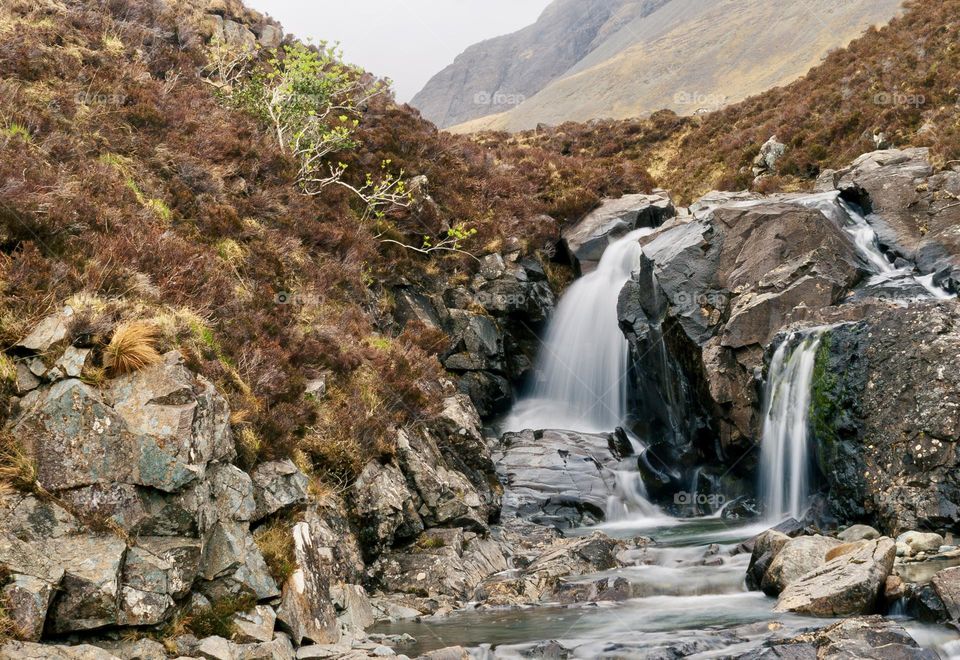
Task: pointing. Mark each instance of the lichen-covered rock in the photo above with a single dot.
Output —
(860, 637)
(847, 585)
(89, 594)
(385, 508)
(306, 609)
(255, 626)
(885, 395)
(34, 651)
(158, 428)
(157, 572)
(278, 485)
(26, 600)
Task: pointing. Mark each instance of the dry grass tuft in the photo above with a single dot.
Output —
(275, 540)
(17, 469)
(133, 347)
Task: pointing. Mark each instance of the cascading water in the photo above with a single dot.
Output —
(583, 363)
(867, 244)
(785, 460)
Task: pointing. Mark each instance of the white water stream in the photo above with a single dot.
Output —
(582, 367)
(785, 459)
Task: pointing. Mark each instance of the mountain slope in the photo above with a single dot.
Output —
(497, 73)
(690, 56)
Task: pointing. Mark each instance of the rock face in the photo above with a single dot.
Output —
(847, 585)
(560, 478)
(885, 398)
(915, 211)
(491, 324)
(492, 76)
(586, 240)
(712, 292)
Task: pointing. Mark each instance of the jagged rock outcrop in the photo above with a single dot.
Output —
(914, 210)
(859, 637)
(491, 322)
(586, 240)
(884, 419)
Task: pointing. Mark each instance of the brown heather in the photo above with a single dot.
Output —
(123, 178)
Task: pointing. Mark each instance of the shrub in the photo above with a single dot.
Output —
(275, 540)
(133, 347)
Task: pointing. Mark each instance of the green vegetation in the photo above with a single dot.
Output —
(218, 618)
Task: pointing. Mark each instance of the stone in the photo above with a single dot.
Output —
(586, 240)
(232, 563)
(765, 548)
(866, 637)
(238, 36)
(89, 594)
(797, 558)
(562, 478)
(33, 651)
(918, 542)
(354, 610)
(269, 36)
(771, 152)
(385, 507)
(157, 572)
(138, 649)
(72, 361)
(946, 583)
(306, 609)
(51, 330)
(277, 486)
(845, 586)
(216, 648)
(255, 626)
(858, 533)
(26, 600)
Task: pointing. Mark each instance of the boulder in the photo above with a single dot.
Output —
(89, 595)
(946, 584)
(586, 240)
(562, 478)
(860, 637)
(278, 485)
(770, 152)
(917, 542)
(26, 600)
(157, 572)
(158, 427)
(385, 508)
(254, 626)
(306, 609)
(51, 330)
(34, 651)
(765, 548)
(797, 558)
(858, 533)
(845, 586)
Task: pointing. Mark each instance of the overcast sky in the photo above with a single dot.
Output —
(405, 40)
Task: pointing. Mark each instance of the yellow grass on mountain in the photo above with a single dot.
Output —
(17, 470)
(133, 347)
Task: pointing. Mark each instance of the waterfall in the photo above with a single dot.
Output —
(583, 363)
(785, 459)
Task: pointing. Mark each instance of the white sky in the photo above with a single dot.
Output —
(405, 40)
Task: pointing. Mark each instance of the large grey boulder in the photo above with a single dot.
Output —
(587, 239)
(946, 584)
(847, 585)
(873, 637)
(765, 549)
(559, 477)
(278, 485)
(89, 595)
(157, 428)
(306, 608)
(795, 559)
(157, 572)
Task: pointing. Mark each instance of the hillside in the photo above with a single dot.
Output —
(685, 55)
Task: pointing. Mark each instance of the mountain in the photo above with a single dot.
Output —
(627, 59)
(498, 72)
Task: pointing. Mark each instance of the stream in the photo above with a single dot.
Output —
(688, 596)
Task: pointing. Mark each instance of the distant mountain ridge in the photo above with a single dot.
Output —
(589, 59)
(493, 75)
